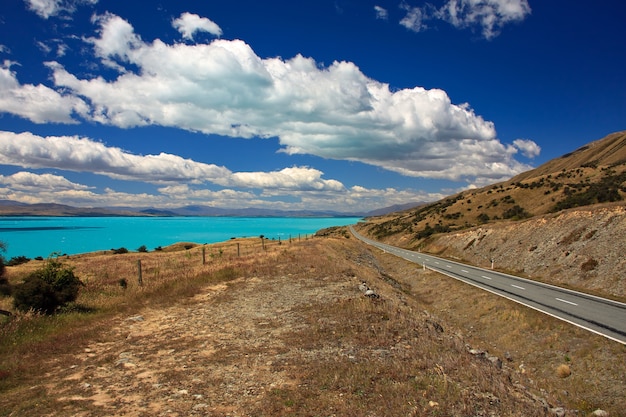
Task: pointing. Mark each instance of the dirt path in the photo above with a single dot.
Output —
(214, 355)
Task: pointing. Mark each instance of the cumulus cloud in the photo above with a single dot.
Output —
(73, 153)
(488, 15)
(48, 8)
(295, 178)
(381, 13)
(224, 88)
(37, 103)
(28, 187)
(333, 112)
(188, 24)
(529, 148)
(28, 181)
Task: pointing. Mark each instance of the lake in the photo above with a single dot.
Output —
(43, 236)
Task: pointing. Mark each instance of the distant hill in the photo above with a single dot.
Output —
(13, 208)
(591, 175)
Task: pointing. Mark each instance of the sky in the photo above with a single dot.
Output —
(343, 105)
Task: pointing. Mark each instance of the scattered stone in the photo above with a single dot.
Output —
(371, 294)
(136, 318)
(438, 327)
(367, 291)
(557, 411)
(508, 357)
(497, 362)
(433, 404)
(600, 413)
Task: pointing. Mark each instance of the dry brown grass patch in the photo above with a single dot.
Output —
(563, 371)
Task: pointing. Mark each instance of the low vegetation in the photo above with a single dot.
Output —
(291, 318)
(591, 175)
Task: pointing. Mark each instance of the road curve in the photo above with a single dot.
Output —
(598, 315)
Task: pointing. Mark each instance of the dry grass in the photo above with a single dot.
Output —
(290, 334)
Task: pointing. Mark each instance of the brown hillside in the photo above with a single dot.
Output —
(563, 223)
(594, 174)
(610, 151)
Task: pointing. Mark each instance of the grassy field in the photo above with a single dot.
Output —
(267, 329)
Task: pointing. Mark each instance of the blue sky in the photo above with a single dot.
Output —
(346, 105)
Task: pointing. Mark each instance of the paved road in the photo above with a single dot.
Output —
(598, 315)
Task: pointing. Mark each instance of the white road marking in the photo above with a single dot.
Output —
(565, 301)
(463, 270)
(517, 286)
(486, 277)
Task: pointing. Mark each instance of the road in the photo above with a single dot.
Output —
(598, 315)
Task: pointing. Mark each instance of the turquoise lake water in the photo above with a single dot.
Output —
(43, 236)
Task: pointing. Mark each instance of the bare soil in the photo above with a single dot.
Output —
(294, 335)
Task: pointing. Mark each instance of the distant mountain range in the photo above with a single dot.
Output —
(14, 208)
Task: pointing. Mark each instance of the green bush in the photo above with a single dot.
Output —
(46, 289)
(516, 213)
(18, 260)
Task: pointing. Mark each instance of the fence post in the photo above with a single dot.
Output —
(238, 253)
(203, 255)
(139, 277)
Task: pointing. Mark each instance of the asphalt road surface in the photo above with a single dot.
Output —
(598, 315)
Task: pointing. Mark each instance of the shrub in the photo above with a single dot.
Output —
(46, 289)
(563, 371)
(142, 249)
(18, 260)
(119, 251)
(483, 218)
(516, 213)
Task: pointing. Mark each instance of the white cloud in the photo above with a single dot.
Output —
(37, 103)
(381, 13)
(224, 88)
(48, 8)
(28, 182)
(188, 24)
(73, 153)
(529, 148)
(295, 178)
(33, 188)
(414, 18)
(333, 112)
(488, 15)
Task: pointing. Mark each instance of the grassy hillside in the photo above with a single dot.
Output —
(593, 174)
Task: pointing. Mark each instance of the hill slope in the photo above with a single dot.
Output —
(562, 222)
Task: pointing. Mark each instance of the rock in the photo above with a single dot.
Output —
(495, 361)
(371, 294)
(136, 318)
(363, 287)
(433, 404)
(508, 357)
(438, 327)
(600, 413)
(557, 411)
